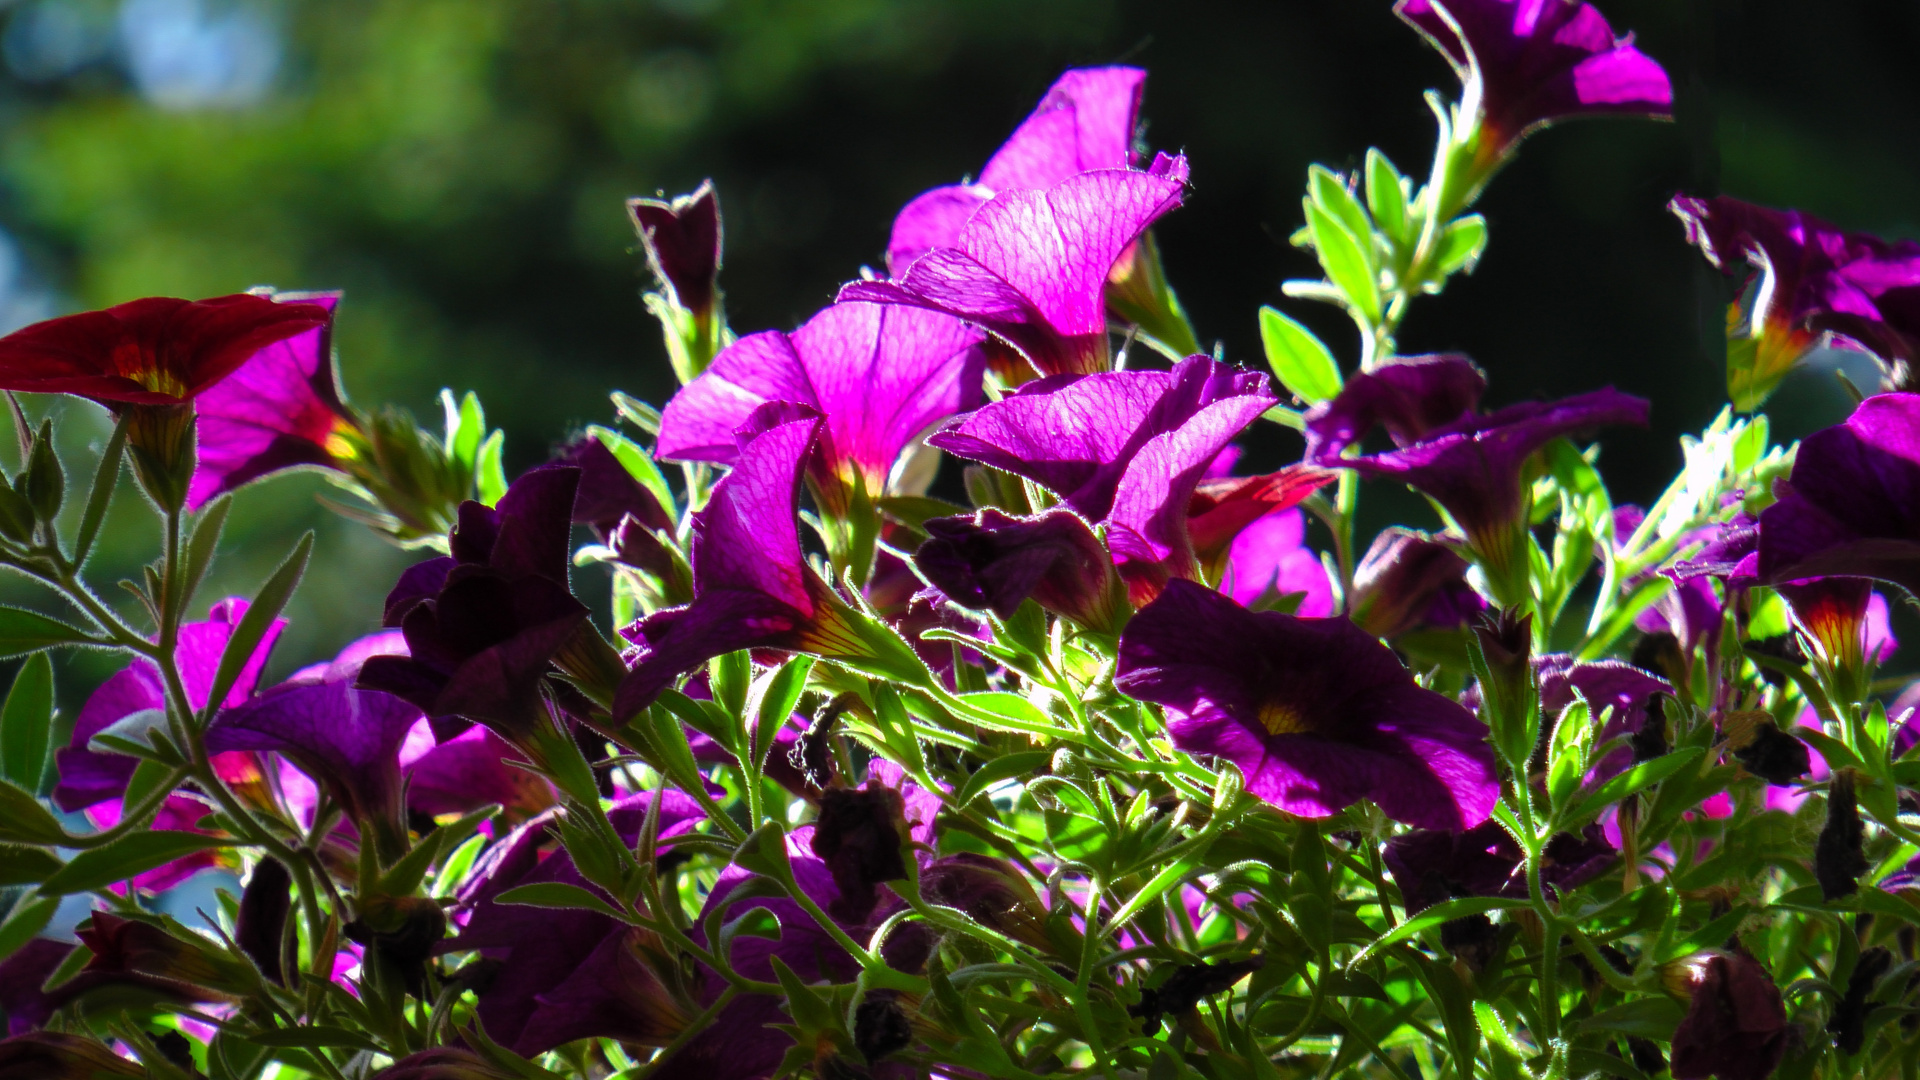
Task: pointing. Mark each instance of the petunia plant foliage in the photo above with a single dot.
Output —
(959, 707)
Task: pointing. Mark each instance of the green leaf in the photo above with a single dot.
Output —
(24, 820)
(489, 470)
(201, 545)
(1004, 767)
(1330, 193)
(558, 894)
(1706, 937)
(316, 1037)
(777, 700)
(764, 852)
(1461, 244)
(1385, 197)
(26, 722)
(105, 480)
(1302, 364)
(1346, 263)
(26, 865)
(406, 874)
(1443, 912)
(147, 776)
(1636, 779)
(266, 607)
(1002, 710)
(131, 855)
(638, 463)
(1647, 1018)
(26, 920)
(23, 631)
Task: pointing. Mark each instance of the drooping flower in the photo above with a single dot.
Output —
(1407, 581)
(1315, 713)
(1031, 266)
(1085, 121)
(1524, 64)
(1472, 465)
(281, 409)
(880, 375)
(608, 494)
(1430, 866)
(1851, 507)
(1810, 277)
(991, 561)
(1736, 1024)
(752, 587)
(346, 739)
(483, 624)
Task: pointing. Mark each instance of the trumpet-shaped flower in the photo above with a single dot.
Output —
(1315, 713)
(1851, 507)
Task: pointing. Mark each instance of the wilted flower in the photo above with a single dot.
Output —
(1736, 1025)
(1431, 866)
(1315, 713)
(1838, 856)
(880, 376)
(281, 409)
(1031, 266)
(1524, 64)
(991, 891)
(1471, 465)
(482, 625)
(1852, 505)
(264, 905)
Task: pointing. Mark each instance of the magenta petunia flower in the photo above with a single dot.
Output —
(1086, 121)
(1603, 685)
(752, 587)
(281, 409)
(1031, 266)
(1851, 507)
(1472, 466)
(880, 375)
(1528, 63)
(348, 740)
(1315, 713)
(482, 625)
(23, 978)
(1270, 558)
(467, 772)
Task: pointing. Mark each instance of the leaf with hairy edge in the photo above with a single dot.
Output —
(266, 607)
(1636, 779)
(558, 894)
(26, 723)
(23, 631)
(1443, 912)
(127, 857)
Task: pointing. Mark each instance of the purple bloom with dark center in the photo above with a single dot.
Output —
(1431, 865)
(1031, 266)
(752, 587)
(90, 777)
(1811, 277)
(1528, 63)
(346, 739)
(1852, 505)
(550, 957)
(482, 625)
(1086, 121)
(281, 409)
(1471, 465)
(1408, 581)
(880, 375)
(1315, 713)
(991, 561)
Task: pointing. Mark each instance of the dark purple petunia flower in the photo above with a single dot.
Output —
(533, 1003)
(1472, 465)
(880, 375)
(608, 494)
(346, 739)
(94, 780)
(682, 240)
(1086, 121)
(23, 980)
(51, 1055)
(1315, 713)
(752, 587)
(1811, 277)
(1528, 63)
(281, 409)
(1031, 266)
(483, 625)
(1852, 505)
(1603, 685)
(1408, 581)
(1431, 866)
(1736, 1024)
(991, 561)
(469, 771)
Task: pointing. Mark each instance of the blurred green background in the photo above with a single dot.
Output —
(459, 167)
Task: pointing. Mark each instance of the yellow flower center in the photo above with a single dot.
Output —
(1282, 719)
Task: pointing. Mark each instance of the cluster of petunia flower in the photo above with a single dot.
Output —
(1107, 774)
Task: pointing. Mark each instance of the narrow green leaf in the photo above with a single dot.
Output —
(26, 865)
(23, 631)
(638, 463)
(23, 820)
(147, 776)
(26, 722)
(1167, 878)
(1652, 1017)
(1636, 779)
(201, 545)
(410, 869)
(316, 1037)
(1005, 711)
(777, 700)
(1330, 193)
(131, 855)
(1385, 197)
(27, 920)
(473, 428)
(1302, 364)
(489, 471)
(1461, 244)
(106, 479)
(266, 607)
(1004, 767)
(1445, 911)
(558, 894)
(1346, 263)
(1707, 937)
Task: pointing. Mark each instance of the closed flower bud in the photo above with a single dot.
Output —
(131, 953)
(46, 484)
(880, 1025)
(1509, 696)
(401, 931)
(1847, 1025)
(263, 916)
